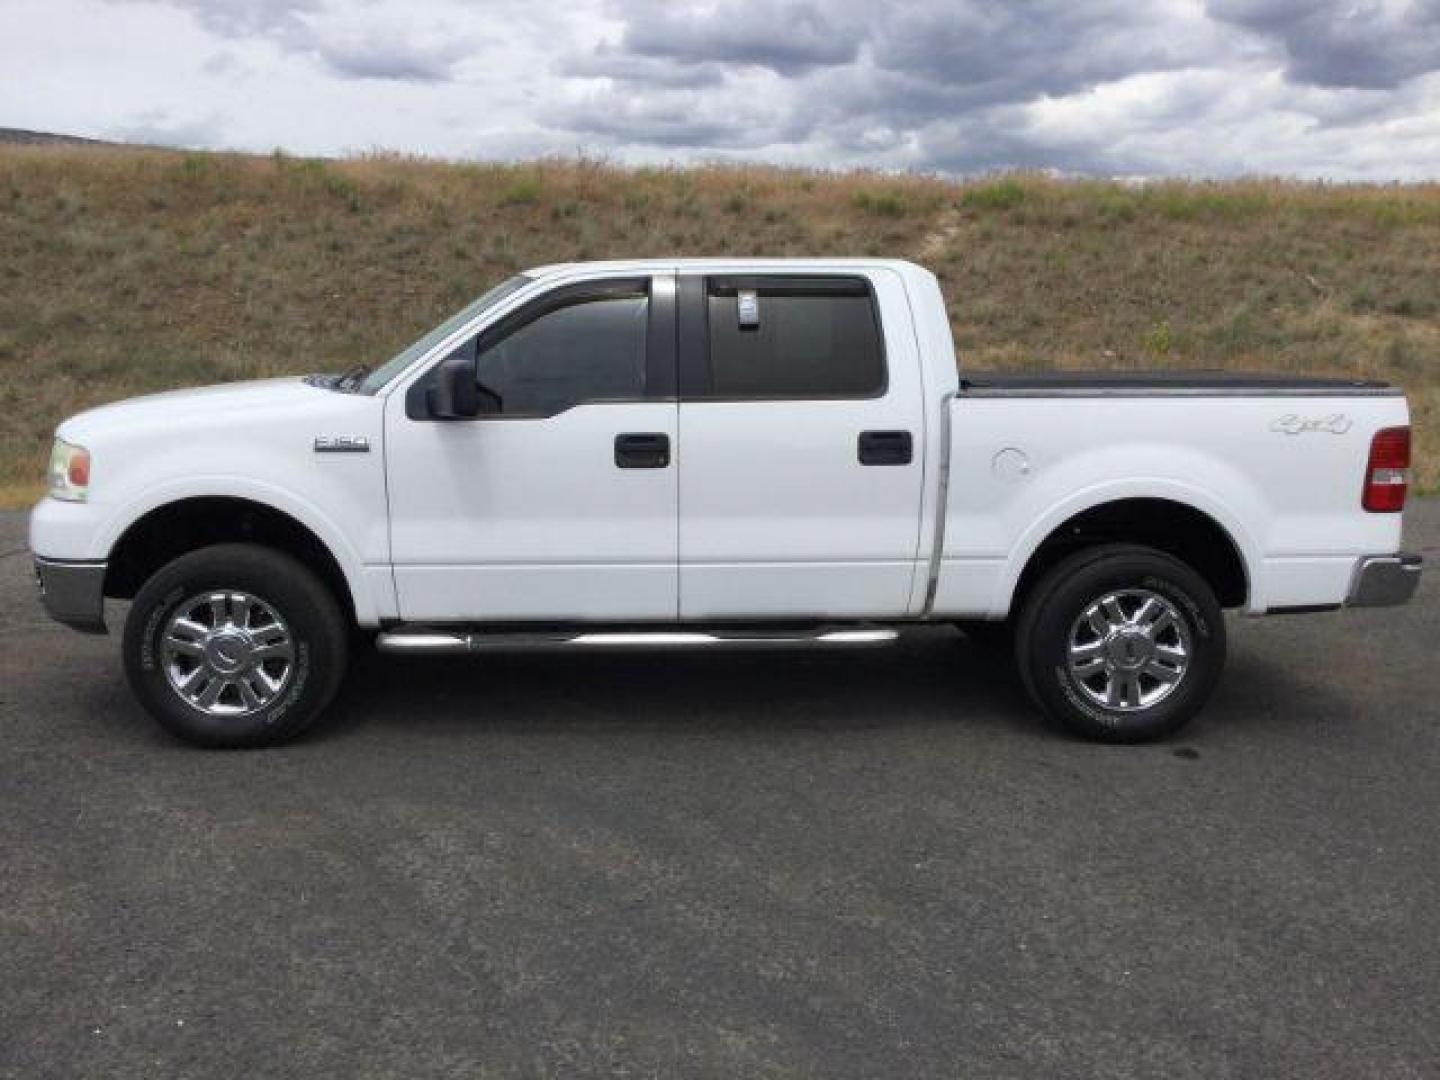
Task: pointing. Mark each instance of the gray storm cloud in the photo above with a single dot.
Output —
(965, 86)
(1344, 44)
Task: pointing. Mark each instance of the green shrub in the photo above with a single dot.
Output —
(522, 191)
(1003, 194)
(881, 203)
(1160, 340)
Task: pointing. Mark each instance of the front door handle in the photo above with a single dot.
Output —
(886, 448)
(642, 450)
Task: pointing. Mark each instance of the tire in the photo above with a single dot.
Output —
(1164, 619)
(281, 646)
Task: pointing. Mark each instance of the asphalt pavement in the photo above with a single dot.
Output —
(875, 864)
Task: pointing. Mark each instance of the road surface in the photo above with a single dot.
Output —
(875, 864)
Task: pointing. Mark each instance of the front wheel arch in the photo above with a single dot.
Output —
(171, 530)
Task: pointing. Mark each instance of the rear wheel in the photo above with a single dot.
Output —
(1121, 643)
(235, 645)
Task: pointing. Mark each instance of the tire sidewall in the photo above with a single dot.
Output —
(291, 596)
(1056, 687)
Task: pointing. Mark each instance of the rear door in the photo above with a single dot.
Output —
(801, 434)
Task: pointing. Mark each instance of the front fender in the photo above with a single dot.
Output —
(371, 593)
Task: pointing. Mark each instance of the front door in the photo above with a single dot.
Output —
(802, 441)
(559, 503)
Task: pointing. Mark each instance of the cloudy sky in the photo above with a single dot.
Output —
(1319, 88)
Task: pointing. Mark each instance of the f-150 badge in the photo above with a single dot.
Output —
(342, 444)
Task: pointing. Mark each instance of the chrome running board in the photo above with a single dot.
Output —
(444, 641)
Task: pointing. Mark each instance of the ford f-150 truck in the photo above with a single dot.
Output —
(680, 453)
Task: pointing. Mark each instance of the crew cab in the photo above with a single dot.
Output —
(710, 453)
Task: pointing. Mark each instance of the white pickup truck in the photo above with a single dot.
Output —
(678, 453)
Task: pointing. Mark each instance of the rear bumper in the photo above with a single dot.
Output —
(73, 592)
(1382, 580)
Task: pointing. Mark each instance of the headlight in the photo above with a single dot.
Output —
(69, 472)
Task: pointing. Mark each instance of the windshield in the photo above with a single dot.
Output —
(402, 360)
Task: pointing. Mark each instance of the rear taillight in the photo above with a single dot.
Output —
(1387, 474)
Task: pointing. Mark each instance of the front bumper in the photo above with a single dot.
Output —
(1382, 580)
(73, 592)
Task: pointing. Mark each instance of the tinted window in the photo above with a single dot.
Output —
(799, 341)
(590, 349)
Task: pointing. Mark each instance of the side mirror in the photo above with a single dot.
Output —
(454, 393)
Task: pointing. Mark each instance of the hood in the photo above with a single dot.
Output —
(203, 407)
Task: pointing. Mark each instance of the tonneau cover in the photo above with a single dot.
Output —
(1212, 381)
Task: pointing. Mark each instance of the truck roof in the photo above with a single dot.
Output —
(809, 264)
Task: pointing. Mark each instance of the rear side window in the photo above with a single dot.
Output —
(777, 337)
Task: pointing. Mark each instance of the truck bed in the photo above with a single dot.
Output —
(1205, 383)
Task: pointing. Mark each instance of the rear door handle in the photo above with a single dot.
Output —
(642, 450)
(886, 448)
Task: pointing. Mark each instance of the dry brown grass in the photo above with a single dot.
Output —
(124, 271)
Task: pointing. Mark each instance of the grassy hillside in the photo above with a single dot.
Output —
(124, 271)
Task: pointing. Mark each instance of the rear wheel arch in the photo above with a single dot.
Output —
(1178, 529)
(166, 532)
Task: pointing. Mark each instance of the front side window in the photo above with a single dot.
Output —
(787, 338)
(589, 347)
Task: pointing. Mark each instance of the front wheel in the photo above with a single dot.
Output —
(1121, 643)
(235, 645)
